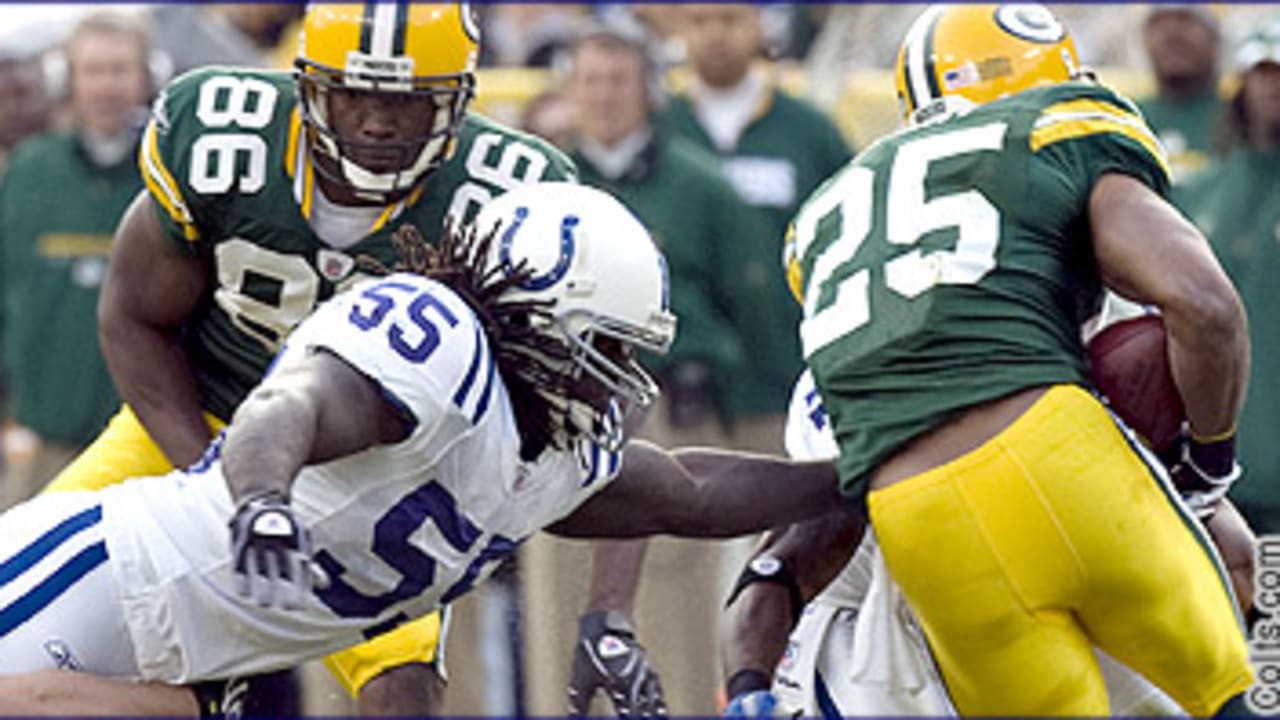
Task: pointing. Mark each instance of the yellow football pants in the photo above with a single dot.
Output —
(1051, 537)
(124, 450)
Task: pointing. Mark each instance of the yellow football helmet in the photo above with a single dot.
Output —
(421, 56)
(957, 56)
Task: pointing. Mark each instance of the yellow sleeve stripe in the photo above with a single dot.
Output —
(291, 150)
(1081, 118)
(162, 185)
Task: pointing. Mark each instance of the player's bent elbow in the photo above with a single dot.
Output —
(1213, 312)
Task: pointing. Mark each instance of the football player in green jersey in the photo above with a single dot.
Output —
(945, 274)
(264, 191)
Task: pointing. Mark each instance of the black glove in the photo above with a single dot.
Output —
(607, 657)
(270, 552)
(1203, 471)
(270, 695)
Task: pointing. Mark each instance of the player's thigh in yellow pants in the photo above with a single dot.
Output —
(124, 450)
(1053, 536)
(121, 451)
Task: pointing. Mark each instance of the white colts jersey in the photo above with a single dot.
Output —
(858, 649)
(399, 529)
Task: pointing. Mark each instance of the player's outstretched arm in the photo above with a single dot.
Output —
(152, 287)
(704, 492)
(65, 693)
(312, 412)
(1149, 252)
(791, 566)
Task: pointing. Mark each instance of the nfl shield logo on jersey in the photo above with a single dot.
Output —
(334, 266)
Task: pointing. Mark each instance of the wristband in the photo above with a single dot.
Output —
(1228, 434)
(1214, 457)
(263, 496)
(745, 681)
(769, 569)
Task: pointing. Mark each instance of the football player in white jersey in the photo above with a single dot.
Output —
(412, 433)
(856, 648)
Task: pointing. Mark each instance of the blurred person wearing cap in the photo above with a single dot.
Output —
(61, 197)
(1182, 43)
(774, 149)
(1235, 201)
(677, 191)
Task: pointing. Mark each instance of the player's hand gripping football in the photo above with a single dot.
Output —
(607, 657)
(1203, 472)
(270, 552)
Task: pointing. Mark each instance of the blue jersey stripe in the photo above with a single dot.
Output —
(47, 543)
(460, 397)
(25, 607)
(594, 471)
(826, 704)
(487, 393)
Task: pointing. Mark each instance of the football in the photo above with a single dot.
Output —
(1129, 363)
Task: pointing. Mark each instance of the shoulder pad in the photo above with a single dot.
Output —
(1078, 110)
(204, 126)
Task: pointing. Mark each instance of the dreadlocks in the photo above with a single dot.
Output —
(527, 360)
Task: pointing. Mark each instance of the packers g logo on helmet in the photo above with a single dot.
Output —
(957, 56)
(423, 53)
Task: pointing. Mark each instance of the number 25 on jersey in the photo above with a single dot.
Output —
(837, 291)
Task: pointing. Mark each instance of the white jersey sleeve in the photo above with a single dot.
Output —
(392, 330)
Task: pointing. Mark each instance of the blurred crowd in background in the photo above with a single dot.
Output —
(712, 123)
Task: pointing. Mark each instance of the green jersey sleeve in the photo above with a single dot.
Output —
(162, 162)
(211, 136)
(1086, 131)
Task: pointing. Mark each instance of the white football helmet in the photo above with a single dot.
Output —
(589, 255)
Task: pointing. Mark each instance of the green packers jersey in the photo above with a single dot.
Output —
(951, 264)
(225, 158)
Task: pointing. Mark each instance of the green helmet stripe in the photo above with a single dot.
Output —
(366, 27)
(402, 27)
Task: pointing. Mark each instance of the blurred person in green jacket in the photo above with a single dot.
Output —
(710, 240)
(774, 149)
(1236, 204)
(60, 199)
(1182, 43)
(677, 192)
